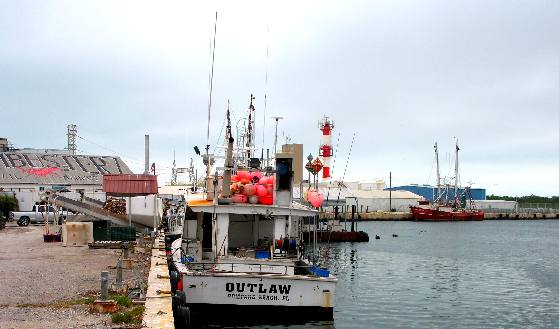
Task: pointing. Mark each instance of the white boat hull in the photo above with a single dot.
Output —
(267, 297)
(240, 289)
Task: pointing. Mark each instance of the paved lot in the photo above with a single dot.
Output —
(34, 275)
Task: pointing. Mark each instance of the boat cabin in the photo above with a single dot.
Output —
(213, 232)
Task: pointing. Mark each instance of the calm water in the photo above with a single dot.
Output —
(448, 275)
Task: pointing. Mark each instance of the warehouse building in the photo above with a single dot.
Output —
(430, 192)
(27, 173)
(368, 197)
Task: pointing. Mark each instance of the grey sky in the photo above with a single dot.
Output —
(400, 74)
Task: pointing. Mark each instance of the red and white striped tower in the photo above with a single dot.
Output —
(325, 150)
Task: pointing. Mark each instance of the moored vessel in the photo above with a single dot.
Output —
(439, 210)
(241, 256)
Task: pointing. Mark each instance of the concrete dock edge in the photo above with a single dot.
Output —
(159, 306)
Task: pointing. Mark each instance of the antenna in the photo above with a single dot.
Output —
(211, 83)
(266, 88)
(72, 133)
(208, 165)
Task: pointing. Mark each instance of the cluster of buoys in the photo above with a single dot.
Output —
(285, 244)
(252, 187)
(314, 197)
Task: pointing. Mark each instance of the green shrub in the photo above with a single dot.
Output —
(133, 316)
(7, 203)
(122, 300)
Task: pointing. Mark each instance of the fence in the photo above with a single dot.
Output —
(543, 208)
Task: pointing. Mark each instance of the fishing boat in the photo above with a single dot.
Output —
(241, 256)
(447, 210)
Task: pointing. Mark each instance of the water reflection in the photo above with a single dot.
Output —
(442, 276)
(445, 278)
(340, 257)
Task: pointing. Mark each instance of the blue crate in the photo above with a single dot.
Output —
(259, 254)
(321, 272)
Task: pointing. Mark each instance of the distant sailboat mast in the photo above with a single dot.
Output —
(456, 176)
(438, 174)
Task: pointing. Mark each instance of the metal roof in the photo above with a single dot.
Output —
(22, 167)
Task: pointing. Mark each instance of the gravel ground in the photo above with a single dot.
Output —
(45, 317)
(34, 274)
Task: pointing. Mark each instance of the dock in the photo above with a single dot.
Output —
(159, 300)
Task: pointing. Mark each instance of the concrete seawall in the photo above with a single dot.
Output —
(406, 216)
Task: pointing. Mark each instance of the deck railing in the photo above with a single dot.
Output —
(232, 267)
(218, 267)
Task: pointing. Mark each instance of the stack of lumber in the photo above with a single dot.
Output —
(116, 206)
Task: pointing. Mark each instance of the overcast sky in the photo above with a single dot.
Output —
(399, 74)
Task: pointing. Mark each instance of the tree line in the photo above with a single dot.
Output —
(526, 199)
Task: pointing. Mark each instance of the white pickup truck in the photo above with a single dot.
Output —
(38, 214)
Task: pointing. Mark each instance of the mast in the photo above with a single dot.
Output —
(438, 174)
(250, 132)
(456, 175)
(226, 188)
(174, 171)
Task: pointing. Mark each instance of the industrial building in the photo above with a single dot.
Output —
(500, 206)
(28, 172)
(430, 192)
(368, 197)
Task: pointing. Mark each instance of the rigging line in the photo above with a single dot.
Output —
(333, 165)
(108, 149)
(211, 84)
(430, 171)
(346, 164)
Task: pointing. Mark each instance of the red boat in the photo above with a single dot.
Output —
(444, 214)
(444, 211)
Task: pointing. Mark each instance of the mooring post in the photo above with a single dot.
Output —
(353, 218)
(119, 274)
(104, 285)
(125, 251)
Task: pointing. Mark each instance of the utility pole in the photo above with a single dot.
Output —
(390, 194)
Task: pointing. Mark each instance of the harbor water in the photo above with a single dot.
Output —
(447, 275)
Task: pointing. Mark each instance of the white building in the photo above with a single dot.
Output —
(366, 196)
(495, 205)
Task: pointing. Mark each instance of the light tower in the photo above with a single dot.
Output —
(326, 151)
(72, 134)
